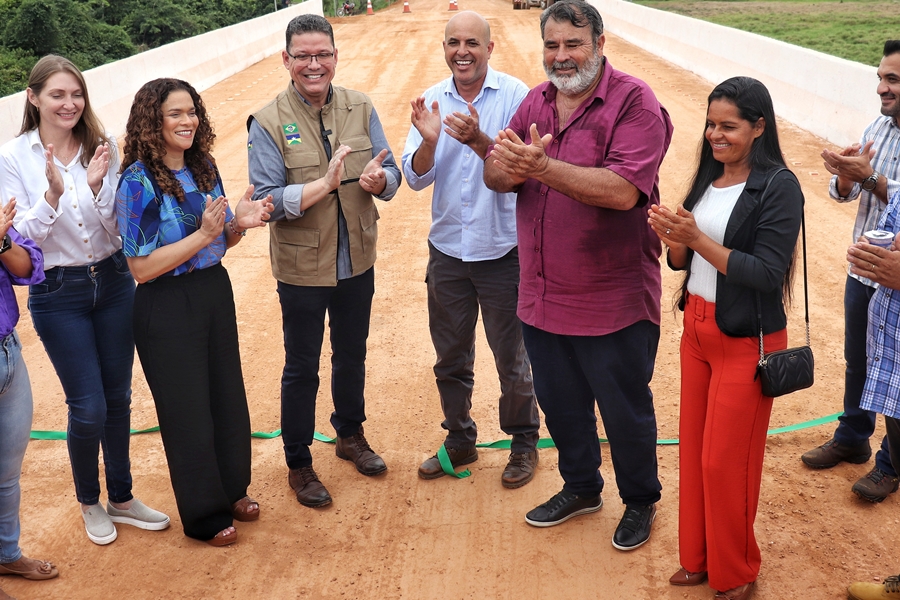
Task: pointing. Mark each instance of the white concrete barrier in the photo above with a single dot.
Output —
(203, 60)
(830, 97)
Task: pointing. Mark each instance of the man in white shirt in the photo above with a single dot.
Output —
(473, 258)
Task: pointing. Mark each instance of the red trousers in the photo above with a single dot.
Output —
(724, 420)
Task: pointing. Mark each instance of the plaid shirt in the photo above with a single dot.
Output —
(882, 390)
(885, 134)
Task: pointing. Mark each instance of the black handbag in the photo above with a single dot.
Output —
(789, 370)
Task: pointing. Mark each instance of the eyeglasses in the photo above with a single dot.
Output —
(322, 58)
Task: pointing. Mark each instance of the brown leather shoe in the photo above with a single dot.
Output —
(431, 468)
(685, 577)
(742, 592)
(520, 469)
(310, 491)
(831, 453)
(355, 448)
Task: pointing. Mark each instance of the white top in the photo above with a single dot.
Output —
(83, 229)
(711, 213)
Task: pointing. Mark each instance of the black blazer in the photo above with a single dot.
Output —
(762, 232)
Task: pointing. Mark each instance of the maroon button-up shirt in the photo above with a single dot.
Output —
(587, 270)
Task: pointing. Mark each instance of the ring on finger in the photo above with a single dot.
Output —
(668, 231)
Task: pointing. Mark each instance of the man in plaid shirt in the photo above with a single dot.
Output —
(869, 171)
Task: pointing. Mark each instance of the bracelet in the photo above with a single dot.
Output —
(235, 231)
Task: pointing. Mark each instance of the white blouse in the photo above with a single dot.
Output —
(83, 229)
(711, 213)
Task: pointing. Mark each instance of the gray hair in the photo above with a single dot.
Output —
(576, 12)
(307, 24)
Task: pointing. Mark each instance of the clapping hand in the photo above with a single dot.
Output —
(98, 167)
(213, 219)
(518, 159)
(373, 179)
(7, 214)
(251, 213)
(427, 122)
(54, 178)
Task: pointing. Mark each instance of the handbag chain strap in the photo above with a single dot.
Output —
(762, 353)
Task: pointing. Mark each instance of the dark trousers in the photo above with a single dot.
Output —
(456, 289)
(572, 375)
(893, 437)
(856, 425)
(349, 306)
(186, 336)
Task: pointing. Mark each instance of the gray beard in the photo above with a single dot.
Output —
(572, 85)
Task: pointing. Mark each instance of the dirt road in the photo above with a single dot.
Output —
(398, 536)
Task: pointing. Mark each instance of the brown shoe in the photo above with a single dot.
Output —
(520, 469)
(685, 577)
(831, 453)
(431, 468)
(355, 448)
(742, 592)
(310, 491)
(876, 485)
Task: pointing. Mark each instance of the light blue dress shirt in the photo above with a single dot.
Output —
(468, 221)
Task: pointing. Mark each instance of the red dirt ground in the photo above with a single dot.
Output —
(401, 537)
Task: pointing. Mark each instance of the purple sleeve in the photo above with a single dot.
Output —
(37, 259)
(639, 142)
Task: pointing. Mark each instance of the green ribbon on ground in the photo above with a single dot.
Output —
(447, 466)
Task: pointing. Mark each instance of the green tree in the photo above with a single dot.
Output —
(33, 28)
(163, 21)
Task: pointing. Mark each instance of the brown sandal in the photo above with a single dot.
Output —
(245, 509)
(41, 569)
(223, 538)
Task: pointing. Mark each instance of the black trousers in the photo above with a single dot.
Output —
(186, 336)
(349, 307)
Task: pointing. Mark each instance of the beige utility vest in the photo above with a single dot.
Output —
(303, 251)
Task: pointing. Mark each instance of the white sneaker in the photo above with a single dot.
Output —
(99, 527)
(139, 515)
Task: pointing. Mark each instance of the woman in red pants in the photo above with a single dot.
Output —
(735, 236)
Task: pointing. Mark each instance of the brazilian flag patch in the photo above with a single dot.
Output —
(291, 134)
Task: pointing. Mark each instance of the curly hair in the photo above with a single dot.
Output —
(88, 130)
(144, 138)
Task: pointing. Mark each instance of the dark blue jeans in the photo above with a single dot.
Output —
(573, 375)
(349, 306)
(857, 425)
(83, 317)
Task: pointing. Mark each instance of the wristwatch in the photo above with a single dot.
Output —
(6, 244)
(870, 182)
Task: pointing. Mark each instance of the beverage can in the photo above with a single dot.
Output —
(880, 237)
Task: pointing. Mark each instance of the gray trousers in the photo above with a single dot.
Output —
(456, 289)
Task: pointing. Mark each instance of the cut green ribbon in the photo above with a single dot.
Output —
(447, 466)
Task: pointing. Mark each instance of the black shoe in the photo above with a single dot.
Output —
(562, 507)
(634, 528)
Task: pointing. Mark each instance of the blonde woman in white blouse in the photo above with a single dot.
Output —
(62, 171)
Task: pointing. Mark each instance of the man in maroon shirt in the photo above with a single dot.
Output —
(583, 152)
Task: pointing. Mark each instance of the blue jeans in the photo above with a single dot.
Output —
(349, 306)
(15, 427)
(83, 317)
(856, 425)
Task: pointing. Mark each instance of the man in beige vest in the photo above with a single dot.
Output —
(321, 152)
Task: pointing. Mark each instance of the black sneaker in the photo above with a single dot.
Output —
(634, 528)
(562, 507)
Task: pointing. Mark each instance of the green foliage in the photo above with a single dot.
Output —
(95, 32)
(33, 28)
(851, 29)
(15, 65)
(160, 22)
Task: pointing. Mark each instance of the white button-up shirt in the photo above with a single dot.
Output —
(83, 228)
